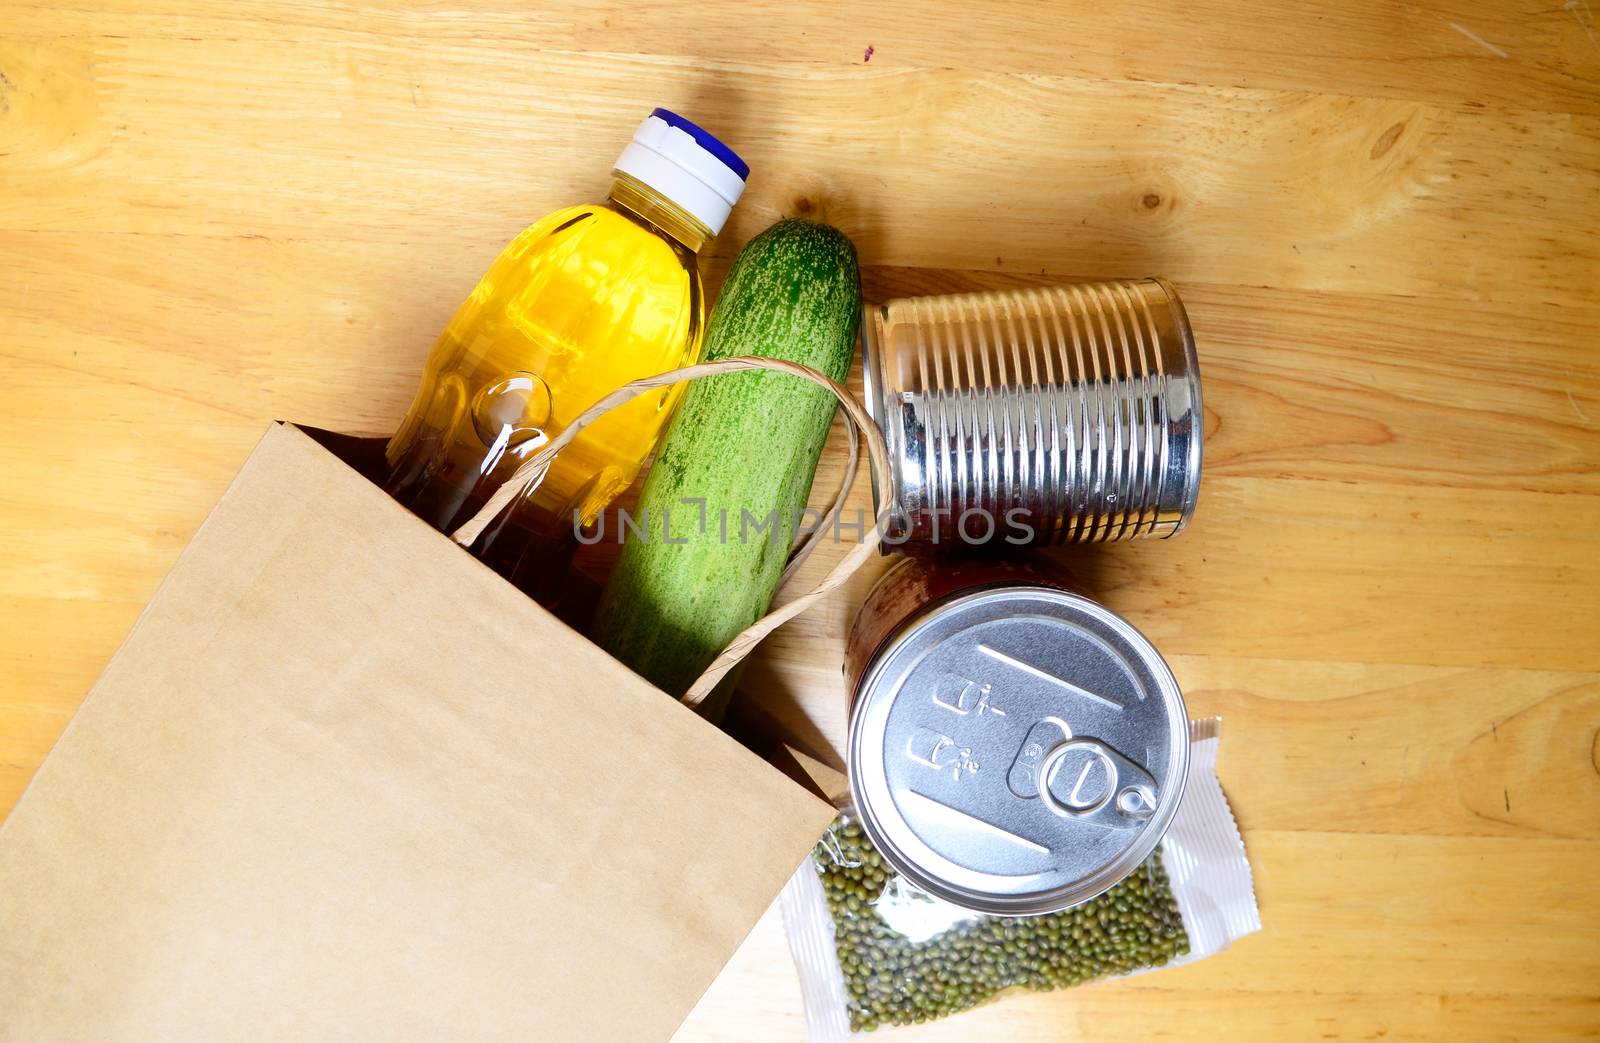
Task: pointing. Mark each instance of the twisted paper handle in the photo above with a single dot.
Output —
(533, 469)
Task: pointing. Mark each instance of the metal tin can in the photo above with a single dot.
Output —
(1014, 747)
(1065, 414)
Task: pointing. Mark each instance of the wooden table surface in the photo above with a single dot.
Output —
(1381, 215)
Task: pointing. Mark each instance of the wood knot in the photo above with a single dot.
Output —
(802, 205)
(1386, 140)
(1151, 201)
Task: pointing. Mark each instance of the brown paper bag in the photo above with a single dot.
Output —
(343, 782)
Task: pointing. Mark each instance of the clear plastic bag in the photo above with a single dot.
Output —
(874, 951)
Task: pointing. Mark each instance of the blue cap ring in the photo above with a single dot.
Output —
(707, 141)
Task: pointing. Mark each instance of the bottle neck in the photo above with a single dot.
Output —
(652, 207)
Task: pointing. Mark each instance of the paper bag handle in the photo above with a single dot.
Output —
(534, 468)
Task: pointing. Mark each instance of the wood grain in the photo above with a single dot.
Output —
(1312, 191)
(1523, 54)
(1382, 218)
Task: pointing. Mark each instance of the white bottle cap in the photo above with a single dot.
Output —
(686, 165)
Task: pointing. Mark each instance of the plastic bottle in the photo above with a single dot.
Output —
(581, 302)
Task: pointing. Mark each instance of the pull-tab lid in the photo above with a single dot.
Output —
(1017, 750)
(687, 165)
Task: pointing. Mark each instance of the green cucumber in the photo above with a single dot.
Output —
(743, 444)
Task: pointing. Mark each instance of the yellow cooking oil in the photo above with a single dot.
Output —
(579, 303)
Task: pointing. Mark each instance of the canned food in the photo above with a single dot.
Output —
(1067, 414)
(1014, 747)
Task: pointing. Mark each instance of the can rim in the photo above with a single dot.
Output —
(870, 795)
(873, 389)
(1191, 358)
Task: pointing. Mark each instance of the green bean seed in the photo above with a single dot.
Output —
(890, 980)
